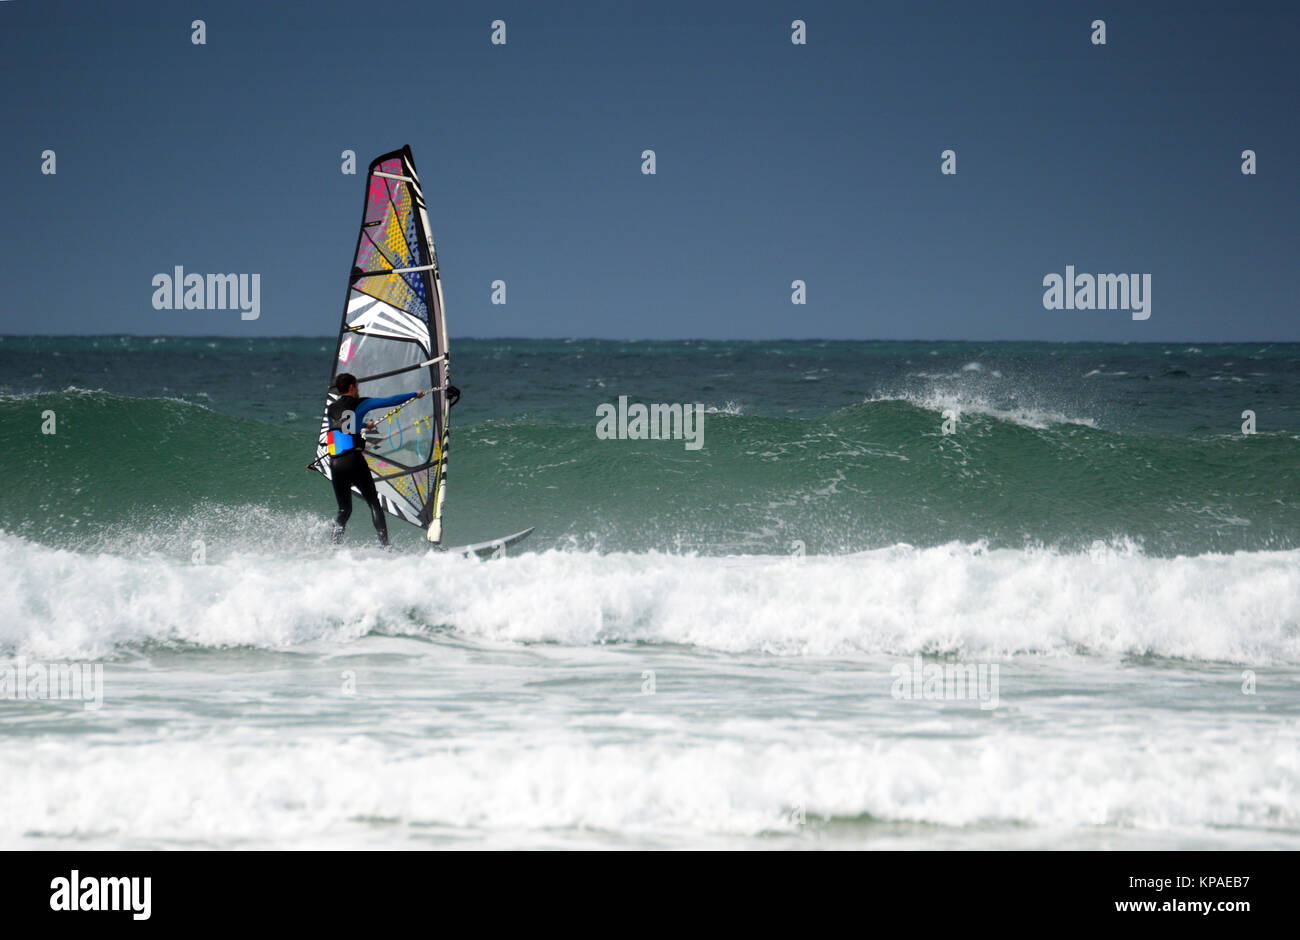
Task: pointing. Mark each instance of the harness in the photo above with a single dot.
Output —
(341, 441)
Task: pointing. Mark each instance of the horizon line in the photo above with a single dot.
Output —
(644, 339)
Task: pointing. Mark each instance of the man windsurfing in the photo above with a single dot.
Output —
(348, 466)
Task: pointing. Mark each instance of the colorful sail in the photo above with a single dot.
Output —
(394, 340)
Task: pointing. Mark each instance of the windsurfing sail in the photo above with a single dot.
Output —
(394, 340)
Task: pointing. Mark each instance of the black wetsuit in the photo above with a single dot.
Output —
(350, 469)
(346, 471)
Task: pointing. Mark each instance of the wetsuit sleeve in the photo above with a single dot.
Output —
(367, 405)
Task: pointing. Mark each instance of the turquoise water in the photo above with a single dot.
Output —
(837, 445)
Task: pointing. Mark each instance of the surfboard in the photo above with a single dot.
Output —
(496, 548)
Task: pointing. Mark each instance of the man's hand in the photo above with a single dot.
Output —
(370, 425)
(419, 393)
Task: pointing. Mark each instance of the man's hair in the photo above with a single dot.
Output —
(344, 382)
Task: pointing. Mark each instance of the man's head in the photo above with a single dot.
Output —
(346, 383)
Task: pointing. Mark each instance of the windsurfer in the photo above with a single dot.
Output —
(348, 466)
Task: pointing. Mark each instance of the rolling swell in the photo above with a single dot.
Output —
(150, 472)
(883, 472)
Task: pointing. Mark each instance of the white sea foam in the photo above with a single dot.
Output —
(962, 402)
(1241, 608)
(730, 409)
(299, 790)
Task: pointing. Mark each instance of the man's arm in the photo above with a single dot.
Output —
(367, 405)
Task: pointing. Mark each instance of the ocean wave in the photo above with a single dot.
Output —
(963, 402)
(890, 469)
(960, 599)
(252, 790)
(98, 396)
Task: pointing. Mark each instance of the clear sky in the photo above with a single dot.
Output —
(775, 162)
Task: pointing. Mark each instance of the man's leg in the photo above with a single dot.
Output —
(367, 486)
(340, 477)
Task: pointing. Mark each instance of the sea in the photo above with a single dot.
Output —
(903, 595)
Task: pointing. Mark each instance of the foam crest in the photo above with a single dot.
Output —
(965, 403)
(299, 790)
(956, 598)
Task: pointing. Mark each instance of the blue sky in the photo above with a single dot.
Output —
(775, 162)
